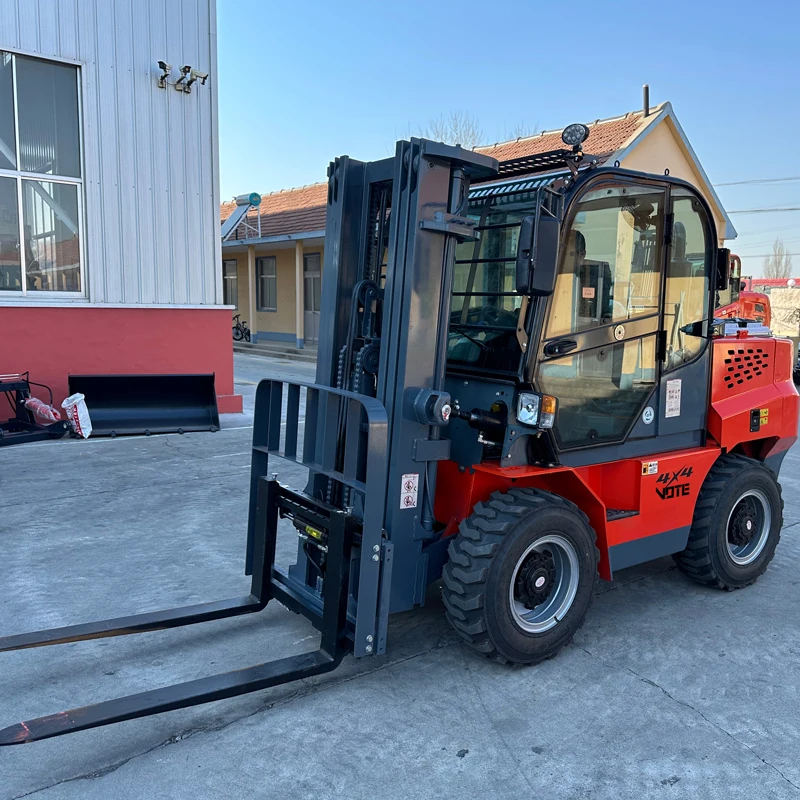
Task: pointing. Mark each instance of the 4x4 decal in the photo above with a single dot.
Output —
(671, 487)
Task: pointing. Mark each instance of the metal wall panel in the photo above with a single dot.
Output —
(151, 163)
(9, 23)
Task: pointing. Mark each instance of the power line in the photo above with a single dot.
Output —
(759, 180)
(764, 210)
(764, 255)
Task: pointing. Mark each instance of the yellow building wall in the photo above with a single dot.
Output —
(281, 321)
(662, 149)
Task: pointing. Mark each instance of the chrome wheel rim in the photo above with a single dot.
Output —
(544, 584)
(748, 527)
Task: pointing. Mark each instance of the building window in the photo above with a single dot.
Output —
(266, 284)
(230, 283)
(41, 186)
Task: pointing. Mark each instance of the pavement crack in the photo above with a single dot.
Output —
(697, 711)
(498, 730)
(307, 688)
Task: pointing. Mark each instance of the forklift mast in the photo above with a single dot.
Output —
(391, 234)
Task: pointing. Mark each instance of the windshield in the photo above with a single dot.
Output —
(485, 308)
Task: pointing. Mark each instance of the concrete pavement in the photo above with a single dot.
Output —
(669, 690)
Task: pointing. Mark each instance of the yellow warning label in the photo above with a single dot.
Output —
(649, 467)
(763, 414)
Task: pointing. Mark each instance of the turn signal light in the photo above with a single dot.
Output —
(547, 414)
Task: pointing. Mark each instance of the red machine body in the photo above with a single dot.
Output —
(641, 508)
(749, 305)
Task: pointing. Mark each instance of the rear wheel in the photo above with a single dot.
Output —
(736, 526)
(521, 575)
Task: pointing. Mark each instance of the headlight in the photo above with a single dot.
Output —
(536, 410)
(528, 408)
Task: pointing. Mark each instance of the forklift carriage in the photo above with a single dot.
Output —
(520, 387)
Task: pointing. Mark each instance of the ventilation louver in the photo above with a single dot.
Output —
(743, 364)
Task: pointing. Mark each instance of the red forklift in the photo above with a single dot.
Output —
(739, 302)
(521, 388)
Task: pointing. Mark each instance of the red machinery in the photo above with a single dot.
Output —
(736, 302)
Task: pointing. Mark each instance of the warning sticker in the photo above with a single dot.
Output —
(649, 467)
(763, 415)
(673, 404)
(409, 485)
(588, 292)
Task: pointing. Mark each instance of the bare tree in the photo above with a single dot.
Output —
(458, 127)
(522, 130)
(779, 264)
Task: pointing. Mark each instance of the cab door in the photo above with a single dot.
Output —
(684, 353)
(603, 325)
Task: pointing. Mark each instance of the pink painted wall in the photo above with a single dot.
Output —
(52, 343)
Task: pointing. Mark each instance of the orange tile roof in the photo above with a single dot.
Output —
(289, 211)
(294, 211)
(606, 136)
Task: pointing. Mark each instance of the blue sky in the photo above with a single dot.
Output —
(302, 82)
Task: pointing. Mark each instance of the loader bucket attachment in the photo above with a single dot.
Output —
(136, 404)
(352, 454)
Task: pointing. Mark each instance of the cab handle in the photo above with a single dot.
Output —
(560, 347)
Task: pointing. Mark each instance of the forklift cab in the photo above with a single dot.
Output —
(621, 339)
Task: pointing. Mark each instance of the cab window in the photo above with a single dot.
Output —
(688, 274)
(610, 263)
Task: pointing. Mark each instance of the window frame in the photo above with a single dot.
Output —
(260, 304)
(19, 175)
(234, 280)
(310, 274)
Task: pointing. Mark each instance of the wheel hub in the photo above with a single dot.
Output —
(536, 578)
(743, 525)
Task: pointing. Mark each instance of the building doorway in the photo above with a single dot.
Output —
(312, 276)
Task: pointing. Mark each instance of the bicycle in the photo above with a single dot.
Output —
(240, 329)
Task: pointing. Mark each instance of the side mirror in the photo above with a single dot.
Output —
(537, 255)
(546, 260)
(722, 276)
(525, 254)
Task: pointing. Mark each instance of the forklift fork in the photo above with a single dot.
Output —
(333, 646)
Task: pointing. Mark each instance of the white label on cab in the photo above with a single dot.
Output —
(673, 404)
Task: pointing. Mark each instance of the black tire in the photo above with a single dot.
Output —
(741, 485)
(237, 334)
(489, 552)
(247, 335)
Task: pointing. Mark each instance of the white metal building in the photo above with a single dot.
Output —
(109, 190)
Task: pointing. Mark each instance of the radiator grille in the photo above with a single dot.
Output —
(743, 364)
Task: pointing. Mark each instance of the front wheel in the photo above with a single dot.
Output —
(237, 335)
(736, 526)
(521, 575)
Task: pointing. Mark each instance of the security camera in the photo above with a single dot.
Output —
(196, 75)
(184, 74)
(165, 69)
